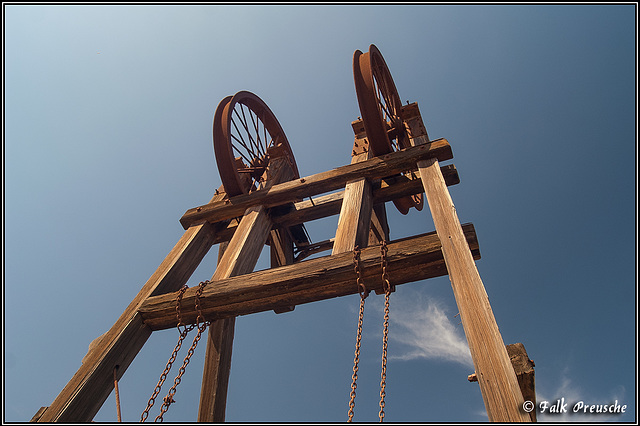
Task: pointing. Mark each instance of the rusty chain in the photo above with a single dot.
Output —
(363, 295)
(168, 400)
(172, 358)
(387, 288)
(385, 328)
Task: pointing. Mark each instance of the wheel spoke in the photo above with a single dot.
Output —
(255, 120)
(245, 128)
(235, 148)
(239, 139)
(245, 124)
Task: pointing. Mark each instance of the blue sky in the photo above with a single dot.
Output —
(107, 142)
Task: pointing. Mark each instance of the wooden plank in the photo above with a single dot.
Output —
(291, 191)
(498, 383)
(329, 204)
(92, 383)
(354, 222)
(409, 260)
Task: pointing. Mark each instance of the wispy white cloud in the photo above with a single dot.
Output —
(427, 331)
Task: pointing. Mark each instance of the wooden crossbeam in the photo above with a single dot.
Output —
(409, 259)
(377, 167)
(330, 204)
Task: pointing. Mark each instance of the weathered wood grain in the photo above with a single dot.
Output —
(354, 221)
(377, 167)
(329, 204)
(237, 257)
(409, 260)
(217, 365)
(498, 383)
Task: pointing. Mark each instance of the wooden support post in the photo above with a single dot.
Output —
(216, 371)
(354, 222)
(498, 383)
(217, 365)
(240, 257)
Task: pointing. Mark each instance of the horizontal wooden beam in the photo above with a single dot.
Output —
(375, 168)
(410, 259)
(329, 204)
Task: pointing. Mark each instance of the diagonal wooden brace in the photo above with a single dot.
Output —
(498, 383)
(239, 257)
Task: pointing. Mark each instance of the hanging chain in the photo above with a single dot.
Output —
(172, 358)
(385, 329)
(363, 295)
(168, 400)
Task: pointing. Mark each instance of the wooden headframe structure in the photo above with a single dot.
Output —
(243, 224)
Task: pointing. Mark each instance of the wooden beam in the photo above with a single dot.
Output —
(524, 369)
(409, 260)
(354, 222)
(498, 383)
(217, 365)
(377, 167)
(216, 371)
(239, 257)
(329, 204)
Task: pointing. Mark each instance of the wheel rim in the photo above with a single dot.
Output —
(380, 108)
(244, 128)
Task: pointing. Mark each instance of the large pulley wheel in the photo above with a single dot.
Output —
(244, 128)
(380, 108)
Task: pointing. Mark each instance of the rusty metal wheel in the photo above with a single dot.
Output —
(380, 109)
(243, 129)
